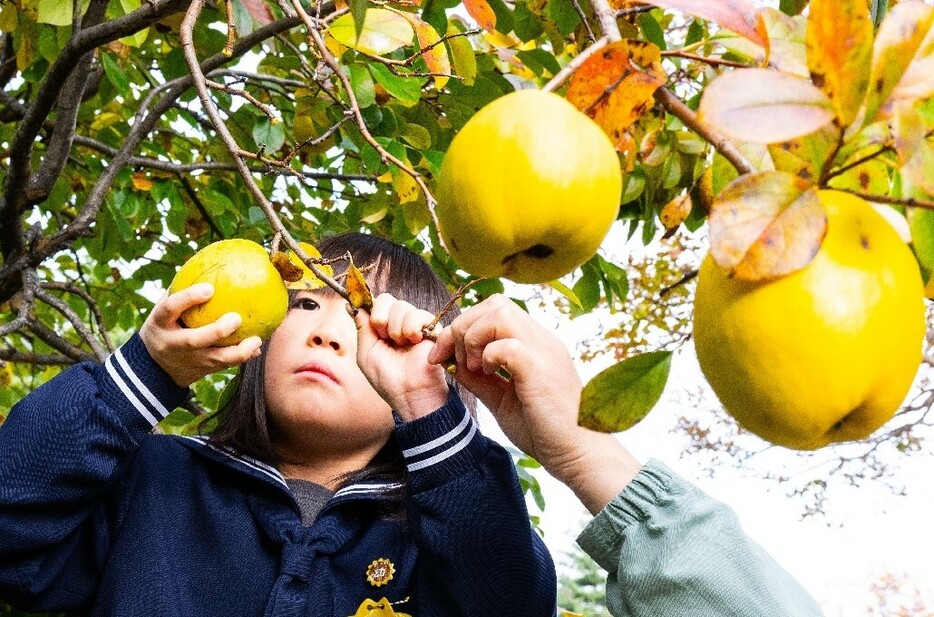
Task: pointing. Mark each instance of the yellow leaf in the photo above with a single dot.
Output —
(383, 31)
(675, 211)
(104, 120)
(839, 52)
(306, 278)
(405, 186)
(357, 289)
(436, 57)
(899, 43)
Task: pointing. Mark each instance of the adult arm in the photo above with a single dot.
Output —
(669, 549)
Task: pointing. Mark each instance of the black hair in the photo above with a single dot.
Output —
(242, 423)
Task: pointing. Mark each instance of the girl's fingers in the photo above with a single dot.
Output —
(233, 355)
(209, 335)
(380, 314)
(167, 311)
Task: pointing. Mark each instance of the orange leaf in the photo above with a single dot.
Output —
(482, 13)
(764, 106)
(357, 290)
(766, 225)
(839, 48)
(141, 182)
(739, 16)
(615, 85)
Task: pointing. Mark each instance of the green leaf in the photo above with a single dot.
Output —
(407, 89)
(362, 84)
(268, 135)
(878, 9)
(416, 136)
(792, 7)
(565, 291)
(55, 12)
(565, 16)
(462, 54)
(358, 10)
(115, 74)
(526, 24)
(652, 30)
(620, 396)
(615, 280)
(921, 222)
(587, 290)
(538, 57)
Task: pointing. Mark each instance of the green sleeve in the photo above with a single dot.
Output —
(671, 550)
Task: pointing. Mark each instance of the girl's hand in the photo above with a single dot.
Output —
(392, 352)
(188, 354)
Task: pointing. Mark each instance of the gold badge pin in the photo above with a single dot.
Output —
(380, 572)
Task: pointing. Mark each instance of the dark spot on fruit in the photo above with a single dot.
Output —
(880, 83)
(863, 180)
(864, 242)
(539, 251)
(817, 79)
(805, 174)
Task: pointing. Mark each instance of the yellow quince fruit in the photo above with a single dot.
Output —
(245, 282)
(827, 353)
(528, 189)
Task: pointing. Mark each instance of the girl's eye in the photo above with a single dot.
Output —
(306, 304)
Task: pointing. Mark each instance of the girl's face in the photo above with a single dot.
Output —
(318, 401)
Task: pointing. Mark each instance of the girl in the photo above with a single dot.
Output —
(345, 477)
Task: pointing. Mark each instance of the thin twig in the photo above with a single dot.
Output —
(92, 306)
(580, 13)
(76, 322)
(273, 118)
(910, 202)
(676, 53)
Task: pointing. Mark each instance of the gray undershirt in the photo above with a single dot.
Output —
(310, 498)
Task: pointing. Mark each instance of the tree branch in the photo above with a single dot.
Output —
(77, 323)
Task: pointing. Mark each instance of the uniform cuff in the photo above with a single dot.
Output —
(133, 382)
(440, 446)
